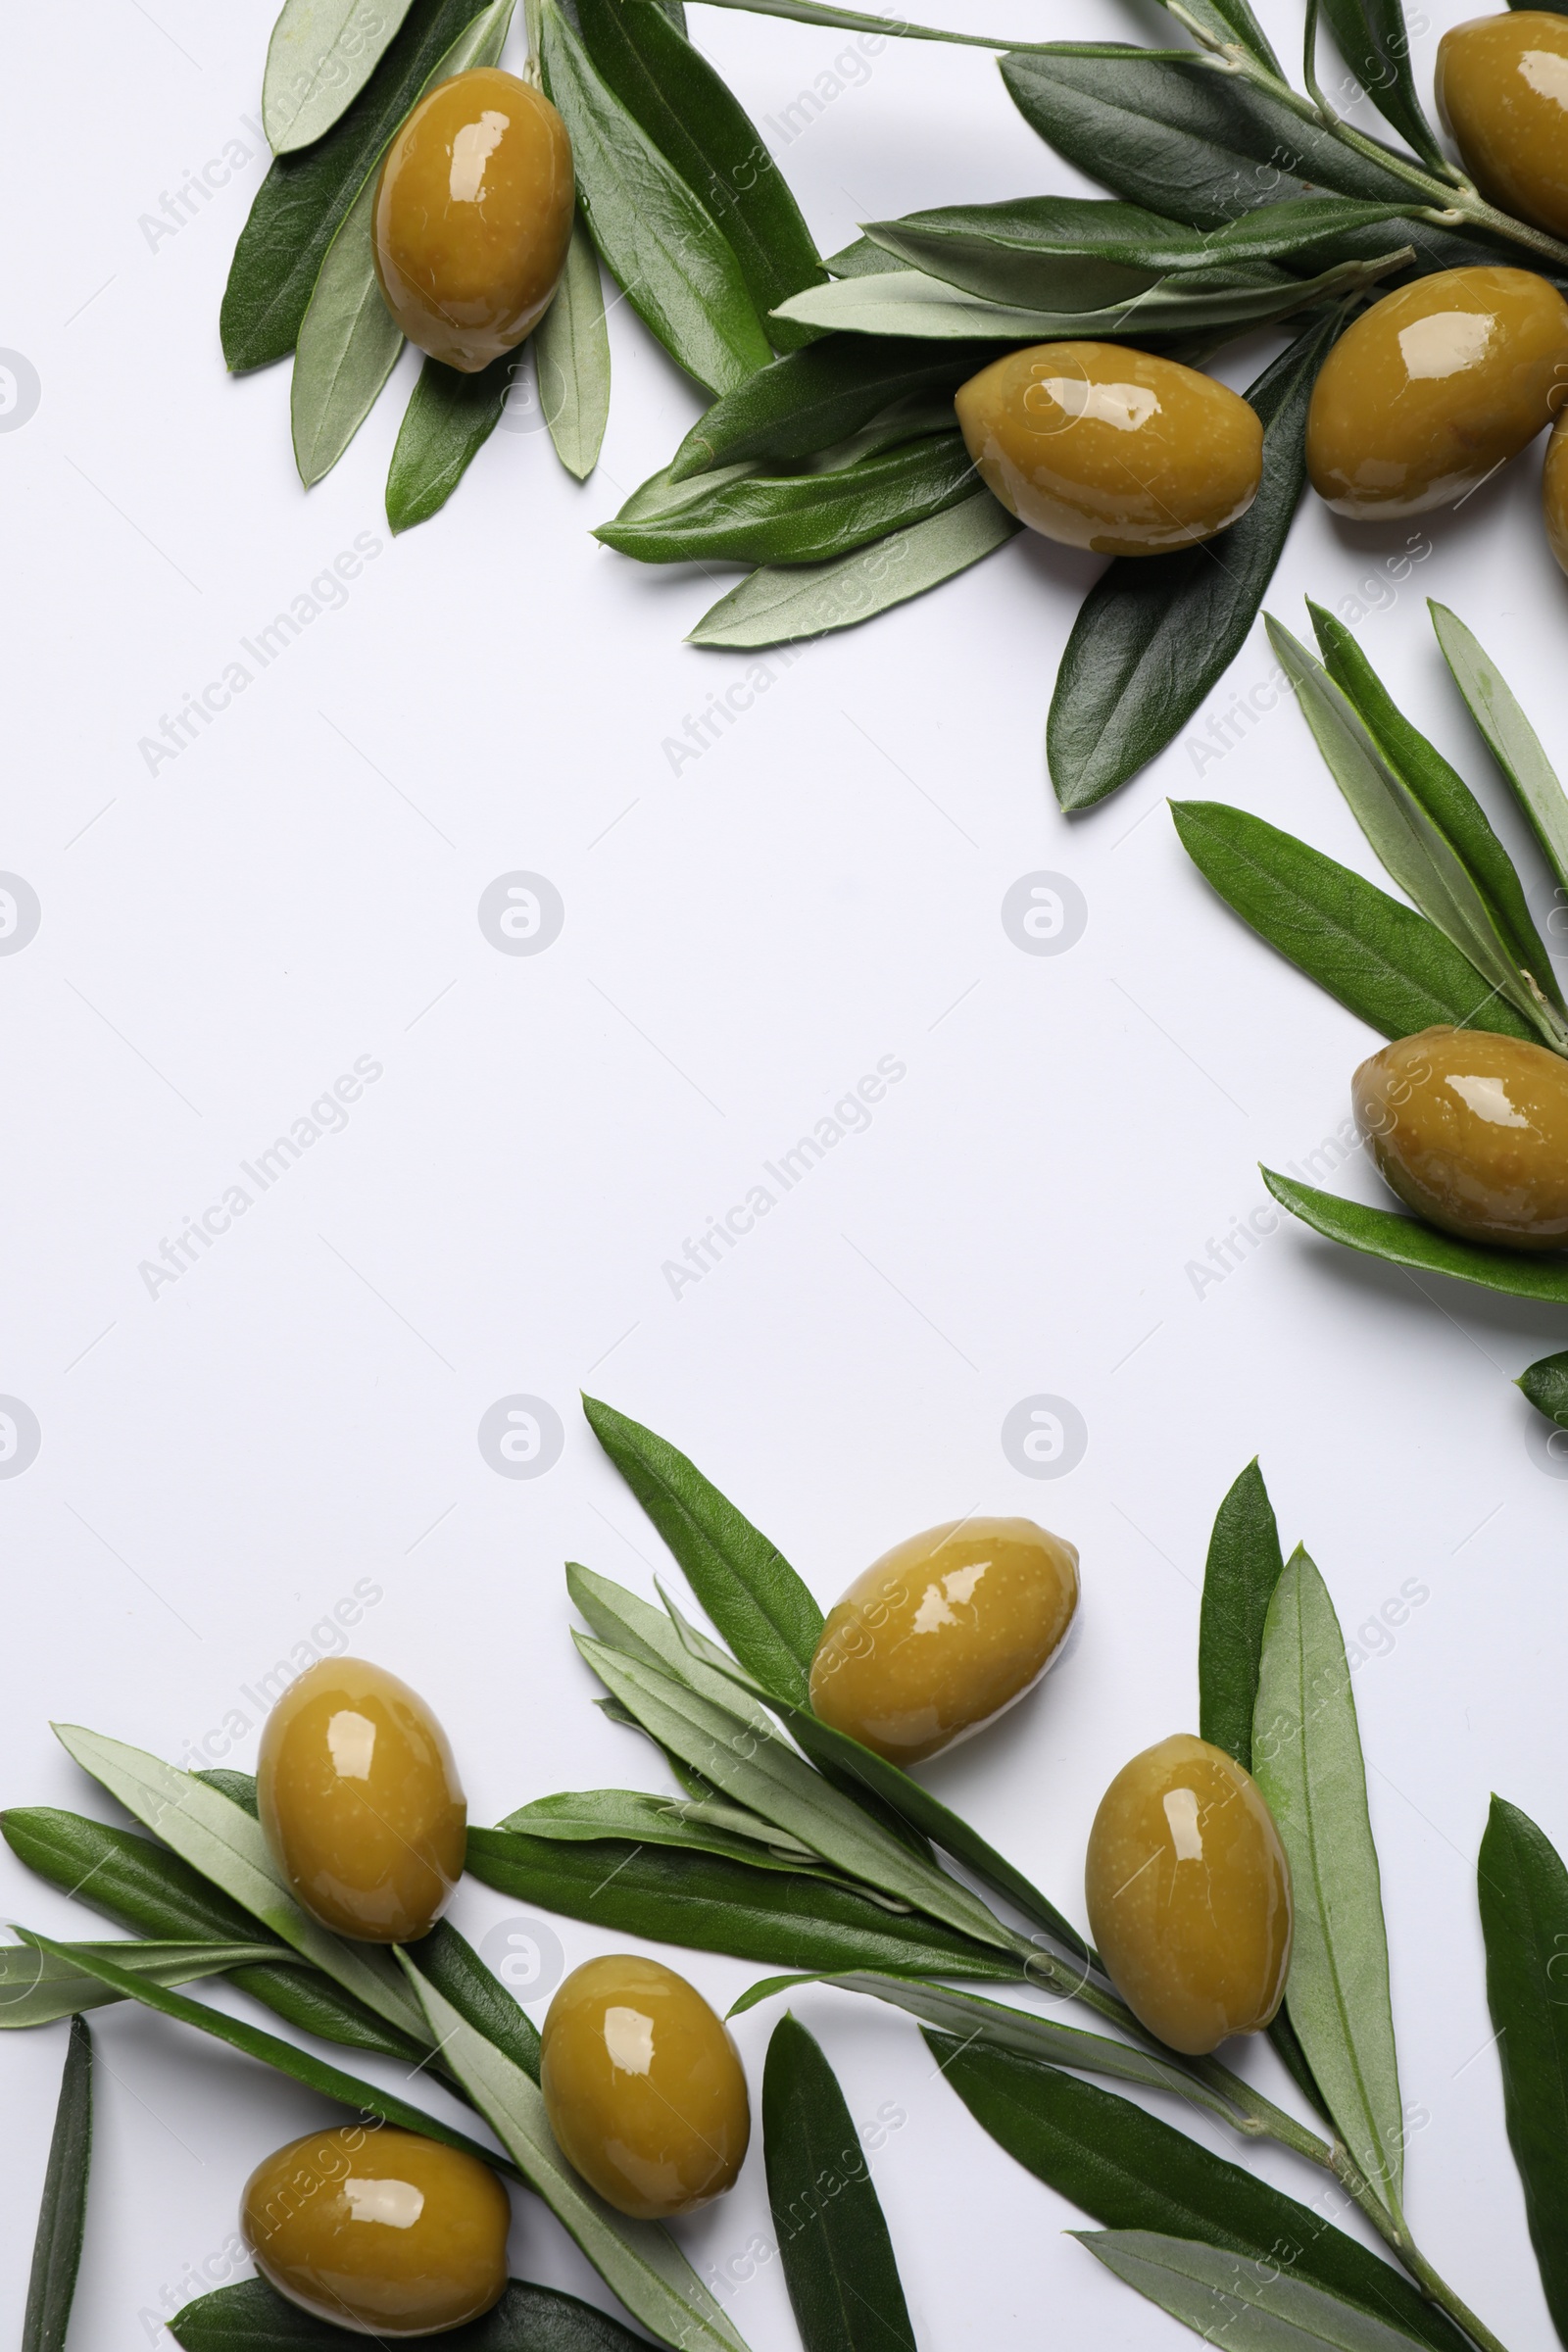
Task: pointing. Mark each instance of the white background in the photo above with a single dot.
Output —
(742, 941)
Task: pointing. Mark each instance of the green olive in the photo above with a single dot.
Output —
(1471, 1130)
(382, 2232)
(1554, 492)
(1110, 449)
(644, 2088)
(1434, 389)
(360, 1803)
(473, 217)
(1189, 1894)
(941, 1633)
(1502, 90)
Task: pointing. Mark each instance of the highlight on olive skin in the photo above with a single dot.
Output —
(1470, 1129)
(1101, 447)
(941, 1633)
(360, 1803)
(1189, 1895)
(1434, 389)
(644, 2088)
(1502, 92)
(473, 217)
(381, 2232)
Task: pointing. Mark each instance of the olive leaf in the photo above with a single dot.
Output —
(63, 2211)
(712, 1904)
(251, 2317)
(749, 1589)
(571, 359)
(37, 1988)
(1375, 43)
(638, 2260)
(808, 399)
(1250, 2305)
(804, 517)
(1545, 1384)
(776, 606)
(348, 339)
(449, 1962)
(1245, 1564)
(694, 1827)
(238, 1787)
(221, 1841)
(1523, 1889)
(1306, 1758)
(1130, 2170)
(838, 2257)
(1406, 1242)
(678, 269)
(1232, 21)
(1155, 633)
(304, 197)
(1383, 962)
(449, 418)
(1508, 735)
(320, 56)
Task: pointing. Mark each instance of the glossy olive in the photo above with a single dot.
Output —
(1433, 388)
(473, 217)
(1471, 1130)
(1502, 90)
(360, 1803)
(644, 2088)
(941, 1633)
(1110, 449)
(379, 2230)
(1554, 491)
(1189, 1894)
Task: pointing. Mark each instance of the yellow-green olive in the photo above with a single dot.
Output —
(1502, 90)
(473, 217)
(941, 1633)
(644, 2088)
(1433, 388)
(1110, 449)
(1471, 1130)
(1189, 1894)
(1554, 491)
(382, 2232)
(360, 1803)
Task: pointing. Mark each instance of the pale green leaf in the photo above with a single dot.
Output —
(1245, 2302)
(36, 1986)
(571, 356)
(320, 56)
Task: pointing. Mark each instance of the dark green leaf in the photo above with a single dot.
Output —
(1545, 1384)
(804, 517)
(679, 270)
(1129, 2171)
(304, 198)
(761, 1607)
(1508, 735)
(449, 418)
(1383, 962)
(320, 56)
(1232, 21)
(452, 1965)
(1232, 2299)
(313, 2004)
(808, 399)
(773, 606)
(572, 357)
(1406, 1242)
(1524, 1917)
(696, 123)
(251, 2317)
(1155, 633)
(62, 2214)
(1243, 1566)
(713, 1905)
(238, 1787)
(1376, 46)
(838, 2257)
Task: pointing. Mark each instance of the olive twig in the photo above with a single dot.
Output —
(1309, 65)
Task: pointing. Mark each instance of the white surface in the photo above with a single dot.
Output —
(220, 1463)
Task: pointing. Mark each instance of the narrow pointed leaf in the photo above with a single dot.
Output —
(1236, 2300)
(251, 2317)
(838, 2257)
(1406, 1242)
(1245, 1564)
(810, 399)
(804, 517)
(449, 1962)
(38, 1988)
(320, 56)
(1375, 43)
(761, 1607)
(639, 2261)
(1306, 1758)
(628, 1814)
(1509, 737)
(238, 1787)
(1381, 959)
(1233, 21)
(571, 359)
(1524, 1917)
(63, 2213)
(1545, 1384)
(449, 418)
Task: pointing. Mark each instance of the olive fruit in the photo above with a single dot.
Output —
(1555, 493)
(473, 217)
(1502, 90)
(644, 2088)
(382, 2232)
(1189, 1894)
(941, 1633)
(1110, 449)
(360, 1803)
(1433, 388)
(1471, 1130)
